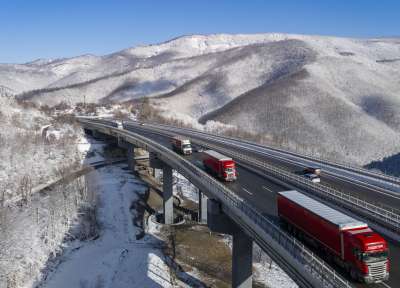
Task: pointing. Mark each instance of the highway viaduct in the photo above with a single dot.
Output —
(220, 214)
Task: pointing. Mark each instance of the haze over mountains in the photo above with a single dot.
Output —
(336, 96)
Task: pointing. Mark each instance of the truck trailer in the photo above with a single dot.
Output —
(348, 242)
(219, 165)
(181, 145)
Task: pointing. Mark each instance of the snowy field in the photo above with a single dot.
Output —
(116, 258)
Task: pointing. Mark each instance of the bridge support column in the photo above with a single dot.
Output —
(98, 135)
(156, 164)
(131, 157)
(88, 131)
(120, 142)
(242, 246)
(168, 199)
(157, 173)
(202, 207)
(242, 260)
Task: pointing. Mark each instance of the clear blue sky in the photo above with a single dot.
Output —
(31, 29)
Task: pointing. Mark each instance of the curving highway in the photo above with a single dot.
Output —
(375, 189)
(261, 191)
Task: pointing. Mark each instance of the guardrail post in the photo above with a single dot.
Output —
(168, 200)
(202, 207)
(242, 246)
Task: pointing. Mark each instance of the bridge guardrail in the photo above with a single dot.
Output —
(389, 219)
(349, 167)
(321, 271)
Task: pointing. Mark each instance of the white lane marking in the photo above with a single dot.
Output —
(247, 191)
(266, 188)
(384, 284)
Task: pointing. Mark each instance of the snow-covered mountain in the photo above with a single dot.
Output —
(339, 96)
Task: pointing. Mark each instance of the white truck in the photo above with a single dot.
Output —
(181, 145)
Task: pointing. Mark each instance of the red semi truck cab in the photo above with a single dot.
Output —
(221, 166)
(349, 242)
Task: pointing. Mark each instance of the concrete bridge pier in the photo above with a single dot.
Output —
(202, 207)
(156, 164)
(157, 173)
(120, 142)
(98, 135)
(242, 246)
(168, 199)
(88, 131)
(242, 260)
(130, 153)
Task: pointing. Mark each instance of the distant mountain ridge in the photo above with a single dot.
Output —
(335, 96)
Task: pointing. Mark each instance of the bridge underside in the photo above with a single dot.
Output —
(209, 212)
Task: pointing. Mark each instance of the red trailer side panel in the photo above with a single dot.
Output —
(317, 220)
(216, 161)
(221, 165)
(213, 164)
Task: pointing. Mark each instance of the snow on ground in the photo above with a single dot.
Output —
(272, 276)
(184, 188)
(116, 258)
(294, 90)
(90, 149)
(35, 149)
(32, 233)
(266, 272)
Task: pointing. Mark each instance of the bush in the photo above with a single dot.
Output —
(26, 104)
(46, 109)
(65, 119)
(62, 106)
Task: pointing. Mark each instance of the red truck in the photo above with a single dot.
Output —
(348, 242)
(219, 165)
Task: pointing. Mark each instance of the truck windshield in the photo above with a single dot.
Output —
(229, 170)
(186, 146)
(374, 256)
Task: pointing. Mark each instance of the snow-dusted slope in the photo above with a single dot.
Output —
(116, 258)
(326, 94)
